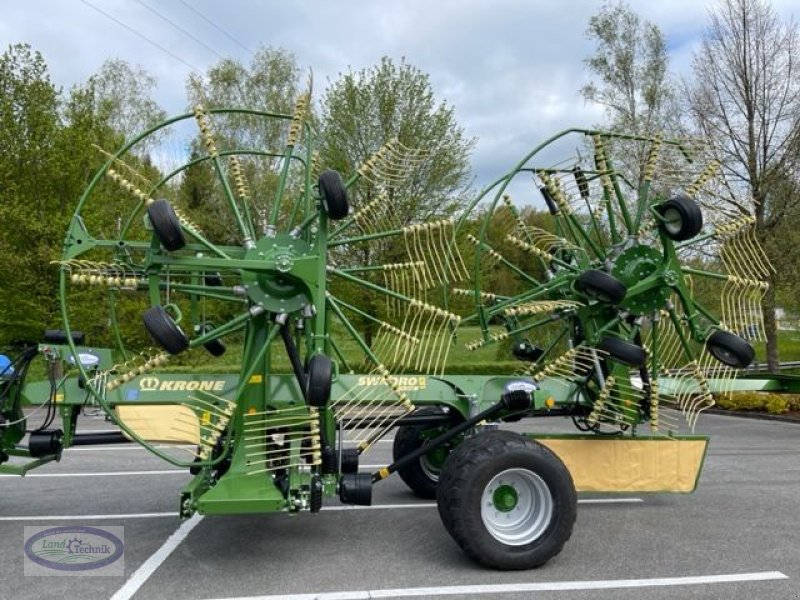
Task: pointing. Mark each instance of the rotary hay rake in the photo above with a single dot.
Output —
(364, 306)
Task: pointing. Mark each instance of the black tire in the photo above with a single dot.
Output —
(682, 218)
(164, 330)
(166, 225)
(525, 351)
(59, 336)
(315, 494)
(318, 380)
(483, 461)
(350, 459)
(215, 347)
(213, 279)
(334, 195)
(730, 349)
(421, 476)
(601, 286)
(623, 352)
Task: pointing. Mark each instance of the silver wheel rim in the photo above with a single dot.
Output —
(531, 514)
(430, 471)
(673, 222)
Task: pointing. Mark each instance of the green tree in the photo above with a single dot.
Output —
(29, 123)
(268, 83)
(122, 97)
(48, 154)
(360, 112)
(85, 129)
(633, 83)
(745, 99)
(632, 65)
(199, 194)
(363, 110)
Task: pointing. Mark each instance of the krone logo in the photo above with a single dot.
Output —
(149, 384)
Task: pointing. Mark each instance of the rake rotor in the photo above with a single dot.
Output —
(602, 292)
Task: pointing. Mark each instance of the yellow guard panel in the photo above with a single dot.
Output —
(162, 423)
(630, 464)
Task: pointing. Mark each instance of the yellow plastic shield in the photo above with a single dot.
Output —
(162, 423)
(640, 464)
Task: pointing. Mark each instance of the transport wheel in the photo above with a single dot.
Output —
(215, 347)
(509, 502)
(421, 476)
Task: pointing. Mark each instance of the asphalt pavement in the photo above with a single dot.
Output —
(736, 537)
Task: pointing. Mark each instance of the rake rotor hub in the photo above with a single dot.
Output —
(636, 265)
(286, 268)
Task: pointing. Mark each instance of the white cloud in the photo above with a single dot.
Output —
(511, 68)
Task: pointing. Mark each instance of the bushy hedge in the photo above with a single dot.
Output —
(775, 404)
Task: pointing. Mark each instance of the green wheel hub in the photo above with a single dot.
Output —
(635, 265)
(505, 498)
(434, 460)
(284, 287)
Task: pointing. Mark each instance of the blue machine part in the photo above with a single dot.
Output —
(6, 368)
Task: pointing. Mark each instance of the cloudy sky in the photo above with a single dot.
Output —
(511, 68)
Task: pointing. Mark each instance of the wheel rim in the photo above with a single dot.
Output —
(431, 466)
(516, 507)
(673, 222)
(724, 355)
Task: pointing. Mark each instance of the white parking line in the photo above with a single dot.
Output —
(143, 573)
(103, 448)
(610, 500)
(89, 517)
(510, 588)
(433, 504)
(379, 506)
(127, 447)
(131, 446)
(324, 509)
(104, 473)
